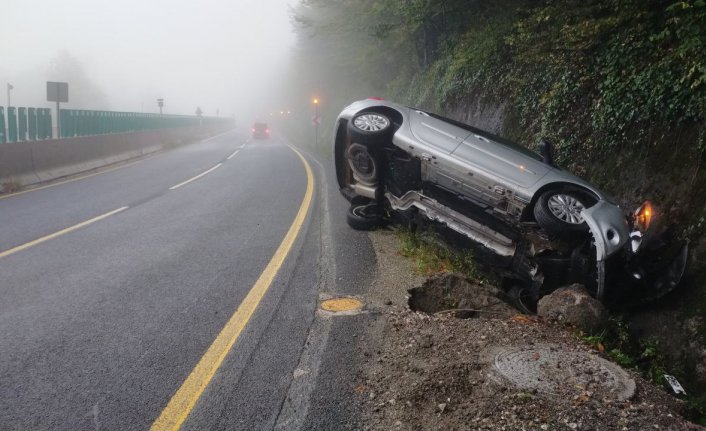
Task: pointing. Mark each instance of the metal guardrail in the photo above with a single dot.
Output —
(22, 124)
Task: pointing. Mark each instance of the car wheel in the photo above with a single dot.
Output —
(364, 216)
(369, 128)
(362, 163)
(559, 211)
(523, 299)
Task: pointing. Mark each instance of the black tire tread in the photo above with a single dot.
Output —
(357, 222)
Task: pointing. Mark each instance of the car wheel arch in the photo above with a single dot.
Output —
(343, 140)
(339, 151)
(394, 115)
(528, 211)
(396, 118)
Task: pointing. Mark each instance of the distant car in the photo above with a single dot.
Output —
(547, 226)
(260, 131)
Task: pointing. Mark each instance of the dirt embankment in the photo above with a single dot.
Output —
(494, 370)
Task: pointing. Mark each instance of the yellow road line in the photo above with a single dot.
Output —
(59, 233)
(196, 177)
(185, 398)
(233, 155)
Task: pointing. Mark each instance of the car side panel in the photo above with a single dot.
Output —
(434, 133)
(515, 169)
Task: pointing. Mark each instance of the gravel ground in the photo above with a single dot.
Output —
(424, 372)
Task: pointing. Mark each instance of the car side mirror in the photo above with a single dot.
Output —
(546, 150)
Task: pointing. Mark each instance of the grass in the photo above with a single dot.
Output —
(431, 256)
(644, 355)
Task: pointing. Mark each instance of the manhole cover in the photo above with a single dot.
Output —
(337, 305)
(550, 370)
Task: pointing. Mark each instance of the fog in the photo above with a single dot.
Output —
(230, 56)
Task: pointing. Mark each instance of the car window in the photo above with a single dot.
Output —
(489, 136)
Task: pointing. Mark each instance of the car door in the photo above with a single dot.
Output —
(436, 135)
(500, 163)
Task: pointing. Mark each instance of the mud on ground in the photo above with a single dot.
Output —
(437, 372)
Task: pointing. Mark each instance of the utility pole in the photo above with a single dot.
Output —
(315, 120)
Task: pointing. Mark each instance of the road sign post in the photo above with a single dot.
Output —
(57, 92)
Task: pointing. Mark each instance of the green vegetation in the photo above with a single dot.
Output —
(644, 355)
(432, 256)
(592, 75)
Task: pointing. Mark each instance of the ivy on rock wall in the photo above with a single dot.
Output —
(592, 75)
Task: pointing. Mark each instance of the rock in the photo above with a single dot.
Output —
(574, 305)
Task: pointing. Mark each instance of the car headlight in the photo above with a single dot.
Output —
(643, 216)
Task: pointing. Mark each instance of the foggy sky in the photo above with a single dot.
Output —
(230, 55)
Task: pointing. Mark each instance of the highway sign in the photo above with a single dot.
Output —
(57, 92)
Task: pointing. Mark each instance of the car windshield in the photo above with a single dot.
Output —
(260, 126)
(489, 136)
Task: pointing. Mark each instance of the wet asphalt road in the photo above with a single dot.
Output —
(101, 325)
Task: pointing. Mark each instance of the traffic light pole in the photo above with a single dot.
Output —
(316, 126)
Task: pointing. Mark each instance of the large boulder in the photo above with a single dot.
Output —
(573, 304)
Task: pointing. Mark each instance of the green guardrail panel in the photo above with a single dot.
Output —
(21, 124)
(49, 121)
(36, 123)
(32, 124)
(11, 124)
(70, 123)
(64, 121)
(42, 122)
(83, 131)
(3, 137)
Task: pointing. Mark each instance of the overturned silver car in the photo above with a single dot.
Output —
(541, 226)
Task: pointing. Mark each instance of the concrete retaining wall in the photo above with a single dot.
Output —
(32, 162)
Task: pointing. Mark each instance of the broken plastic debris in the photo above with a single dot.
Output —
(674, 383)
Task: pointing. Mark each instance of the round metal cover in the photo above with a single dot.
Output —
(337, 305)
(551, 370)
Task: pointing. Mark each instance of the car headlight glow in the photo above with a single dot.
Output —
(643, 216)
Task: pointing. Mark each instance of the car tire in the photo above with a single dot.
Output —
(363, 216)
(521, 297)
(558, 211)
(369, 128)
